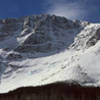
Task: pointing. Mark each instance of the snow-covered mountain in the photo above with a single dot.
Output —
(43, 49)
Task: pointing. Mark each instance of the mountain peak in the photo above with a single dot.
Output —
(47, 49)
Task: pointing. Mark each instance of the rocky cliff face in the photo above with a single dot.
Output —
(57, 91)
(37, 33)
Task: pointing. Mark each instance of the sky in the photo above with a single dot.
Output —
(87, 10)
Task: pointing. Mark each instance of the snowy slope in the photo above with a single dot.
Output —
(38, 50)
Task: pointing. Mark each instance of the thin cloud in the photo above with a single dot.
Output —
(72, 10)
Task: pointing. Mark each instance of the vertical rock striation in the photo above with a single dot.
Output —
(56, 91)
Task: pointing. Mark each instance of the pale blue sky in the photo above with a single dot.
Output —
(73, 9)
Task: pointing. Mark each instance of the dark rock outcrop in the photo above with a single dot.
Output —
(56, 91)
(94, 39)
(13, 56)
